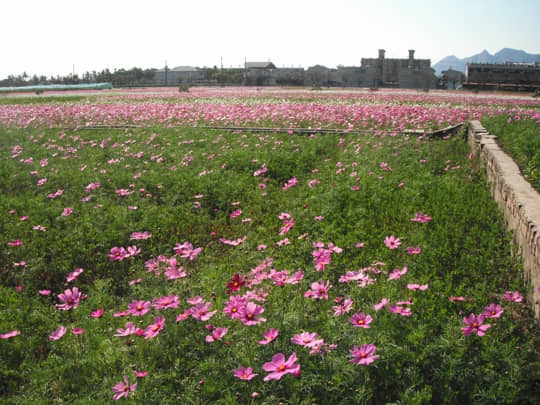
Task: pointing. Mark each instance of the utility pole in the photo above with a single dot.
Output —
(166, 70)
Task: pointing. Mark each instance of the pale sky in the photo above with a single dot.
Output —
(55, 37)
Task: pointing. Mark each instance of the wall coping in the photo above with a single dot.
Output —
(519, 202)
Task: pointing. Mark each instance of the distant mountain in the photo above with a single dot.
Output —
(504, 55)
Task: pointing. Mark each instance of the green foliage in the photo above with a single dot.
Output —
(521, 140)
(186, 185)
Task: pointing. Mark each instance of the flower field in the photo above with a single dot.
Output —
(146, 257)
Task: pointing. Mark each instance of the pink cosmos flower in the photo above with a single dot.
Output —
(474, 324)
(363, 354)
(313, 183)
(140, 374)
(122, 389)
(381, 304)
(132, 251)
(140, 235)
(513, 296)
(290, 183)
(77, 331)
(244, 373)
(454, 299)
(98, 313)
(16, 242)
(130, 329)
(421, 217)
(344, 308)
(70, 299)
(236, 213)
(233, 306)
(117, 254)
(170, 301)
(319, 290)
(306, 339)
(201, 311)
(10, 334)
(58, 333)
(249, 314)
(397, 309)
(415, 287)
(413, 250)
(392, 242)
(183, 316)
(44, 292)
(278, 367)
(217, 334)
(283, 242)
(361, 320)
(153, 330)
(74, 274)
(493, 311)
(138, 308)
(269, 336)
(397, 273)
(67, 212)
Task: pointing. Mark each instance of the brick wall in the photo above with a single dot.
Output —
(519, 202)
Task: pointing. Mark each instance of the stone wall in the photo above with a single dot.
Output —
(519, 202)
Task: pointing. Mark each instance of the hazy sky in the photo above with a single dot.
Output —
(49, 37)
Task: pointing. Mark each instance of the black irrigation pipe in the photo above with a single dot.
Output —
(451, 130)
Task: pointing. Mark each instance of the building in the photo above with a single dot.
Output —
(404, 73)
(511, 76)
(451, 79)
(178, 75)
(375, 72)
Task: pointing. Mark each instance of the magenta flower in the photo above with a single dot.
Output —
(153, 330)
(244, 373)
(129, 330)
(474, 324)
(415, 287)
(44, 292)
(397, 309)
(140, 235)
(392, 242)
(58, 333)
(384, 302)
(361, 320)
(10, 334)
(217, 334)
(138, 308)
(397, 273)
(319, 290)
(170, 301)
(67, 212)
(77, 331)
(344, 308)
(16, 242)
(249, 314)
(122, 389)
(98, 313)
(70, 299)
(117, 254)
(421, 217)
(306, 339)
(513, 296)
(269, 336)
(493, 311)
(278, 367)
(413, 250)
(363, 354)
(233, 306)
(74, 274)
(201, 311)
(140, 374)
